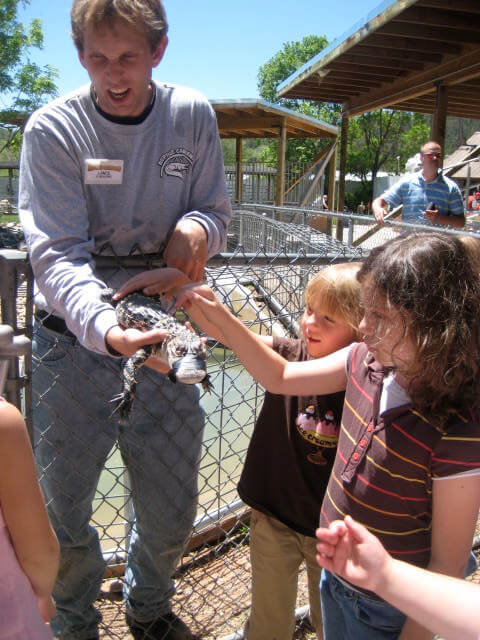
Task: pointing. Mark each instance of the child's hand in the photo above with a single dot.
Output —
(329, 541)
(47, 607)
(348, 549)
(203, 307)
(195, 293)
(155, 281)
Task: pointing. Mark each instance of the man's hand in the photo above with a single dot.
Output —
(431, 214)
(379, 208)
(156, 281)
(187, 249)
(126, 342)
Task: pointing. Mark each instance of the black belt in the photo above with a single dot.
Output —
(54, 323)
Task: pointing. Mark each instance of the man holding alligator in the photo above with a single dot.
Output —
(122, 164)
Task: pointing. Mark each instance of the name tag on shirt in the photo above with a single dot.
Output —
(103, 171)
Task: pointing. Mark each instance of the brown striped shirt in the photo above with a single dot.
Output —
(383, 470)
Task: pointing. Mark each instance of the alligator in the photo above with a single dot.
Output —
(183, 350)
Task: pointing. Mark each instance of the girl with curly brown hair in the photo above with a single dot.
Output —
(408, 459)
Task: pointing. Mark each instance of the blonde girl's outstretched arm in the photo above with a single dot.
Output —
(24, 509)
(440, 604)
(168, 281)
(277, 375)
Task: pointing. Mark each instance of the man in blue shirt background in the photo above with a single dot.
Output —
(417, 191)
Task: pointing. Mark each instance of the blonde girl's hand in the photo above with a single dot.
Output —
(156, 281)
(199, 295)
(47, 607)
(202, 306)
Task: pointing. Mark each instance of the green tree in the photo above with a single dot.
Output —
(24, 85)
(457, 132)
(252, 150)
(383, 139)
(289, 59)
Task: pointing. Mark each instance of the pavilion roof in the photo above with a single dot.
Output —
(252, 118)
(396, 57)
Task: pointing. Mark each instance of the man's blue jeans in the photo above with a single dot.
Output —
(350, 615)
(74, 434)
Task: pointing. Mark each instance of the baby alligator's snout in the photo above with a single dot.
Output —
(190, 369)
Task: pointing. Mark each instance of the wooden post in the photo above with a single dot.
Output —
(467, 185)
(10, 192)
(327, 153)
(332, 178)
(282, 147)
(440, 115)
(239, 170)
(343, 170)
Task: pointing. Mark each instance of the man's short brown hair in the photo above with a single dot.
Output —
(430, 142)
(147, 13)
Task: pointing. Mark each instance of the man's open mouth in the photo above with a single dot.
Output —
(118, 95)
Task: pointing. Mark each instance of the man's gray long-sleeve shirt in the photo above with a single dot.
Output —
(87, 182)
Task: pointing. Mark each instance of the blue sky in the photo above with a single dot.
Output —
(215, 46)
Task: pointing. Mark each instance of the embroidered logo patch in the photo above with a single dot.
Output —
(176, 162)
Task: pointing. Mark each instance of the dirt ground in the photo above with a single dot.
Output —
(212, 595)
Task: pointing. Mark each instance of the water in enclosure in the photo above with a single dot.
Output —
(230, 411)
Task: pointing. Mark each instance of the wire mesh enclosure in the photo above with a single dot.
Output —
(8, 188)
(259, 182)
(262, 279)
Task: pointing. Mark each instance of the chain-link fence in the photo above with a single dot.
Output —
(318, 230)
(259, 181)
(8, 188)
(262, 277)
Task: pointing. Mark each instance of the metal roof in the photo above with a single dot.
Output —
(456, 157)
(463, 173)
(247, 118)
(474, 139)
(396, 57)
(464, 161)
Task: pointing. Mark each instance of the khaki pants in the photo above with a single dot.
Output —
(276, 553)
